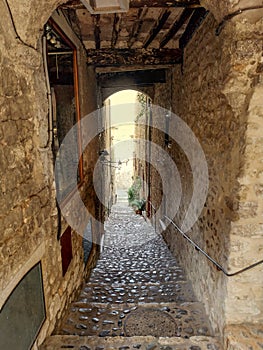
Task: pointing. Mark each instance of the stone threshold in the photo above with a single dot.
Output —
(156, 319)
(57, 342)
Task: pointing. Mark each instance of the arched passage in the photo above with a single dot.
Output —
(121, 109)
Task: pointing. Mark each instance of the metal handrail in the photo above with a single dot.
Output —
(219, 267)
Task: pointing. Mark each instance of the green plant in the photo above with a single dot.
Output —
(131, 195)
(142, 101)
(139, 204)
(134, 191)
(134, 196)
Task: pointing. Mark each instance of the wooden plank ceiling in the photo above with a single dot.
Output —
(149, 26)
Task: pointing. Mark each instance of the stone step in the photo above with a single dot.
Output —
(155, 319)
(134, 259)
(154, 265)
(146, 276)
(172, 291)
(59, 342)
(160, 260)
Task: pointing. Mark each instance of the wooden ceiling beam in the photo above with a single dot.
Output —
(130, 57)
(109, 69)
(157, 27)
(96, 21)
(195, 21)
(116, 29)
(132, 78)
(76, 4)
(176, 26)
(137, 26)
(164, 3)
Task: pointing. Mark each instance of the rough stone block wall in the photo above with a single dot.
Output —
(28, 207)
(205, 110)
(217, 95)
(245, 292)
(65, 288)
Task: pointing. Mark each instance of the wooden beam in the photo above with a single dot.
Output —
(157, 27)
(130, 57)
(195, 21)
(96, 21)
(176, 26)
(137, 26)
(76, 4)
(115, 30)
(132, 78)
(109, 69)
(164, 3)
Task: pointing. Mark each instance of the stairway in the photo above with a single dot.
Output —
(136, 298)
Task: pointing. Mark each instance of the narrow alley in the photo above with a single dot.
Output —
(137, 296)
(168, 92)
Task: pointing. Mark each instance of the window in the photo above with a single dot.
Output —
(23, 313)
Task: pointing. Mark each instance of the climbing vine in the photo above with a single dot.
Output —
(141, 101)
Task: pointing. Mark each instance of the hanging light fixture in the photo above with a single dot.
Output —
(104, 161)
(106, 6)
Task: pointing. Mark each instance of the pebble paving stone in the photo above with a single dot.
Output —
(137, 296)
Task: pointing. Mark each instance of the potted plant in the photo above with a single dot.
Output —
(139, 205)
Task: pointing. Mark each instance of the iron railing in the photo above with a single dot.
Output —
(219, 267)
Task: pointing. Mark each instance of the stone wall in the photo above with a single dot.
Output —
(205, 110)
(29, 218)
(245, 292)
(247, 232)
(218, 93)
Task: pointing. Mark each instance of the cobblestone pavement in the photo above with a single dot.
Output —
(136, 294)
